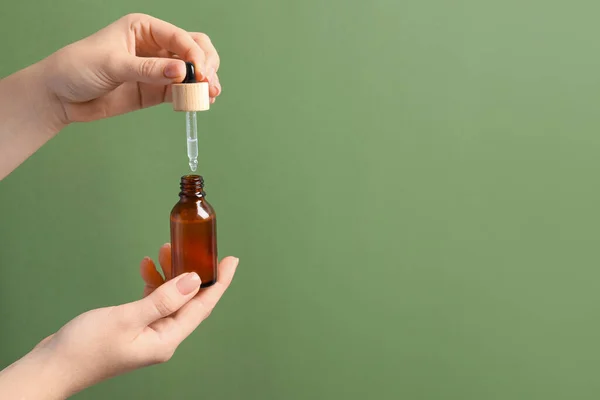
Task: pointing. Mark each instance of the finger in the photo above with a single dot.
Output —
(149, 273)
(150, 276)
(218, 85)
(168, 97)
(162, 54)
(216, 90)
(171, 38)
(199, 308)
(211, 295)
(165, 300)
(164, 259)
(212, 60)
(155, 70)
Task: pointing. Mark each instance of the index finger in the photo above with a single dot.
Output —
(164, 259)
(171, 38)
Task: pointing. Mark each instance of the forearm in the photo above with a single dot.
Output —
(35, 377)
(29, 116)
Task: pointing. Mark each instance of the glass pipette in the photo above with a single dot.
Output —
(191, 129)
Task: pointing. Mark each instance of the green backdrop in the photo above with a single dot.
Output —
(411, 187)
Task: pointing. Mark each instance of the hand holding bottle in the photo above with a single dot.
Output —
(106, 342)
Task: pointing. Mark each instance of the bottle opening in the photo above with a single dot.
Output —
(192, 185)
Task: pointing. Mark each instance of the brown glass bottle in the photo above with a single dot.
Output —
(194, 232)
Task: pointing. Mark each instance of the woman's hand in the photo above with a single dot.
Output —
(127, 66)
(106, 342)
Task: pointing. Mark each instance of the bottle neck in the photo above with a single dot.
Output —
(192, 187)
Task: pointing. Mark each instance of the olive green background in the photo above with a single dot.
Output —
(411, 187)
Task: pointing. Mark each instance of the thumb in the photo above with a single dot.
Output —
(167, 299)
(160, 71)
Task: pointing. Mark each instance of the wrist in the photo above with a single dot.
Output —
(38, 375)
(28, 108)
(45, 104)
(30, 115)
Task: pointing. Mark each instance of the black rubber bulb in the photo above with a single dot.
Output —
(190, 73)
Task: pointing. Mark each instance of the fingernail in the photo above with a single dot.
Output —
(173, 70)
(188, 283)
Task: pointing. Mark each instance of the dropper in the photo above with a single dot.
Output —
(191, 96)
(191, 130)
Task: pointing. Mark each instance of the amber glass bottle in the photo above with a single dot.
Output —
(194, 232)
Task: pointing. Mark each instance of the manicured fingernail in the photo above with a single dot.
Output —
(174, 69)
(188, 283)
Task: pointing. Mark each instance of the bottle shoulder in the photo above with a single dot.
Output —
(193, 210)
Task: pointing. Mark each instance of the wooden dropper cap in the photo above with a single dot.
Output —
(190, 95)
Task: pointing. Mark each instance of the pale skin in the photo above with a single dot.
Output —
(124, 67)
